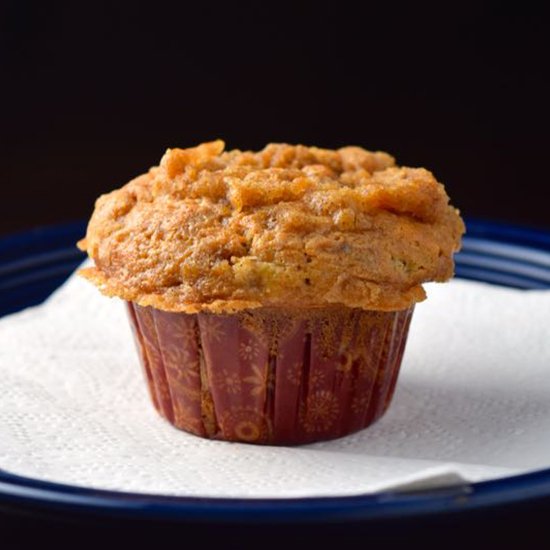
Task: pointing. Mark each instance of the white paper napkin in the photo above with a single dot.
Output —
(472, 403)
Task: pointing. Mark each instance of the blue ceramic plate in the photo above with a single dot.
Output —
(34, 263)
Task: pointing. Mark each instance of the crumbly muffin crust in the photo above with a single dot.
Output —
(222, 231)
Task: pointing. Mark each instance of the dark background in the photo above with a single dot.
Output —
(93, 93)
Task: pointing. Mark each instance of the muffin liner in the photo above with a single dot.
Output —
(271, 376)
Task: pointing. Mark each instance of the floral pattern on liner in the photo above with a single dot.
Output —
(269, 375)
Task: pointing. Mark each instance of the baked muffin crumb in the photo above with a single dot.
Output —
(222, 231)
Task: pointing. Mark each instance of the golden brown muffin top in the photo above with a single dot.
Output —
(221, 231)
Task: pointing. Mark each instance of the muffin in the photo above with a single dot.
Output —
(271, 292)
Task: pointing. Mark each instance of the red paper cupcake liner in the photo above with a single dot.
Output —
(271, 376)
